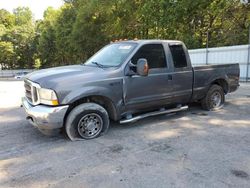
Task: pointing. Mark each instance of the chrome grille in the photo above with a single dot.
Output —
(31, 92)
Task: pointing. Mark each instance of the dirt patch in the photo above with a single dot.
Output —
(160, 147)
(240, 174)
(117, 148)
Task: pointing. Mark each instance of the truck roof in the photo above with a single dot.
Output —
(146, 41)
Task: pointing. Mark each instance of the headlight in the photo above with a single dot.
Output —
(47, 96)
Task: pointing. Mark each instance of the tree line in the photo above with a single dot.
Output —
(72, 33)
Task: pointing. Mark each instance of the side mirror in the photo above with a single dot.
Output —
(142, 67)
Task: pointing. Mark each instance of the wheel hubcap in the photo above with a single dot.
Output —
(216, 99)
(90, 125)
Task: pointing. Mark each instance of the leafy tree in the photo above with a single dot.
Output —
(6, 18)
(47, 41)
(19, 31)
(7, 56)
(22, 38)
(89, 28)
(79, 28)
(2, 30)
(66, 51)
(23, 16)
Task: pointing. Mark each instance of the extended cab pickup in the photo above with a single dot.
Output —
(125, 81)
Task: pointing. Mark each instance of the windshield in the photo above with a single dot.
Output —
(112, 55)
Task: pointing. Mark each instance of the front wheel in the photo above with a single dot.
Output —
(86, 121)
(214, 98)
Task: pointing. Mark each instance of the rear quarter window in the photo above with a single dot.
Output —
(178, 55)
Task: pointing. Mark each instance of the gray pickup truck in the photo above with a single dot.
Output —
(125, 81)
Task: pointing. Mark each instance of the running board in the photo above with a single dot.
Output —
(136, 118)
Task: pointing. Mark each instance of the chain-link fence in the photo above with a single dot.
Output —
(10, 74)
(224, 55)
(230, 54)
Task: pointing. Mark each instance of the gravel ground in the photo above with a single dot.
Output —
(191, 149)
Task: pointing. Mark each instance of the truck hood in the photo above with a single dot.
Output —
(52, 77)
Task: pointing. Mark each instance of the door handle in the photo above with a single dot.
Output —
(170, 77)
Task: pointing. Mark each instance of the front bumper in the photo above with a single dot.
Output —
(45, 117)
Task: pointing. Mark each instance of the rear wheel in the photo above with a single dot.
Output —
(214, 98)
(87, 121)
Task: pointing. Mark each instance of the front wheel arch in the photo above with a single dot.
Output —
(101, 100)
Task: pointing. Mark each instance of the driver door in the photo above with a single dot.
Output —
(154, 89)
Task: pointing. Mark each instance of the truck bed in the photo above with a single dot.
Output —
(207, 74)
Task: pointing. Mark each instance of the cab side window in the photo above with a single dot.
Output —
(178, 55)
(154, 53)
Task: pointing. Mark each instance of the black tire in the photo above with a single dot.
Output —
(87, 121)
(214, 98)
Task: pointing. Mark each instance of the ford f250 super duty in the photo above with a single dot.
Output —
(125, 81)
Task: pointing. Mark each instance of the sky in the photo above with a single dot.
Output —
(36, 6)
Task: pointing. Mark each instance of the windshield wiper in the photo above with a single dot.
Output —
(100, 65)
(97, 64)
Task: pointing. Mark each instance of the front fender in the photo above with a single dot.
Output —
(89, 91)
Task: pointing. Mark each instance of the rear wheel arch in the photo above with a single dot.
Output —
(214, 98)
(223, 83)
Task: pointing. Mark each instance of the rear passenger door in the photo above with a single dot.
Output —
(182, 74)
